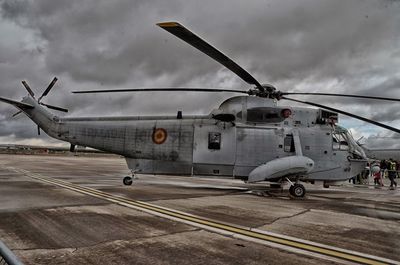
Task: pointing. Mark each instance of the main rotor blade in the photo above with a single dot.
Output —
(340, 95)
(28, 88)
(159, 89)
(54, 107)
(189, 37)
(346, 113)
(49, 87)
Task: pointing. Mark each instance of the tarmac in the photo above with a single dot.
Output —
(75, 210)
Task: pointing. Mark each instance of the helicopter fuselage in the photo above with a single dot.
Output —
(204, 145)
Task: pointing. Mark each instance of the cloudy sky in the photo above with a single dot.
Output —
(296, 45)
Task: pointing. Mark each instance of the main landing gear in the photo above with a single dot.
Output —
(296, 189)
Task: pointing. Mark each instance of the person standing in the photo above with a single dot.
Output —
(392, 173)
(376, 174)
(383, 167)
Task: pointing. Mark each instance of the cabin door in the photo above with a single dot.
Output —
(214, 149)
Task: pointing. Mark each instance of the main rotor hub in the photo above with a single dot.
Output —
(268, 87)
(269, 92)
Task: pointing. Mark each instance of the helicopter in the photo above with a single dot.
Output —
(248, 137)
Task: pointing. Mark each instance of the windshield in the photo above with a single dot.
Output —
(343, 140)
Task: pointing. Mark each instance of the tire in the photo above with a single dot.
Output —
(298, 190)
(127, 180)
(291, 190)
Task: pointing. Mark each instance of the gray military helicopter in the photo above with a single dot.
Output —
(249, 137)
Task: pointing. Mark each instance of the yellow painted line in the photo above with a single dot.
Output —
(241, 231)
(336, 253)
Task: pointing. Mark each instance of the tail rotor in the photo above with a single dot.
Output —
(46, 91)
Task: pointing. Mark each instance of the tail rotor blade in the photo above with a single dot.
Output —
(49, 87)
(15, 114)
(54, 107)
(28, 88)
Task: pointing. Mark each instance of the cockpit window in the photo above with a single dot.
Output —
(340, 141)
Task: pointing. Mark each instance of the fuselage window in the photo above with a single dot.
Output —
(214, 140)
(263, 115)
(288, 143)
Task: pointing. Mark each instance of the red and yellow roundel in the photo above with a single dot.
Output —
(159, 136)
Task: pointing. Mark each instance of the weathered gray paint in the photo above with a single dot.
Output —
(214, 162)
(244, 146)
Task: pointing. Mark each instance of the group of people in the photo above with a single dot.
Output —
(388, 168)
(379, 170)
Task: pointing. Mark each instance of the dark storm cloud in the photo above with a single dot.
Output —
(24, 127)
(327, 46)
(388, 88)
(108, 41)
(99, 41)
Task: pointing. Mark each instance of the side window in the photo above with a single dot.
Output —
(288, 143)
(214, 140)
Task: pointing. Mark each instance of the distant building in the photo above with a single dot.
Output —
(35, 150)
(381, 154)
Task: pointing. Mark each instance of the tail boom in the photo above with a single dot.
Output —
(19, 105)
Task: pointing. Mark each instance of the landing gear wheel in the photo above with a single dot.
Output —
(297, 190)
(291, 190)
(127, 180)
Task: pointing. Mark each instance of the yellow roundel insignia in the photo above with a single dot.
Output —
(159, 136)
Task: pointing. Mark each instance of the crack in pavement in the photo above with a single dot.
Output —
(286, 217)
